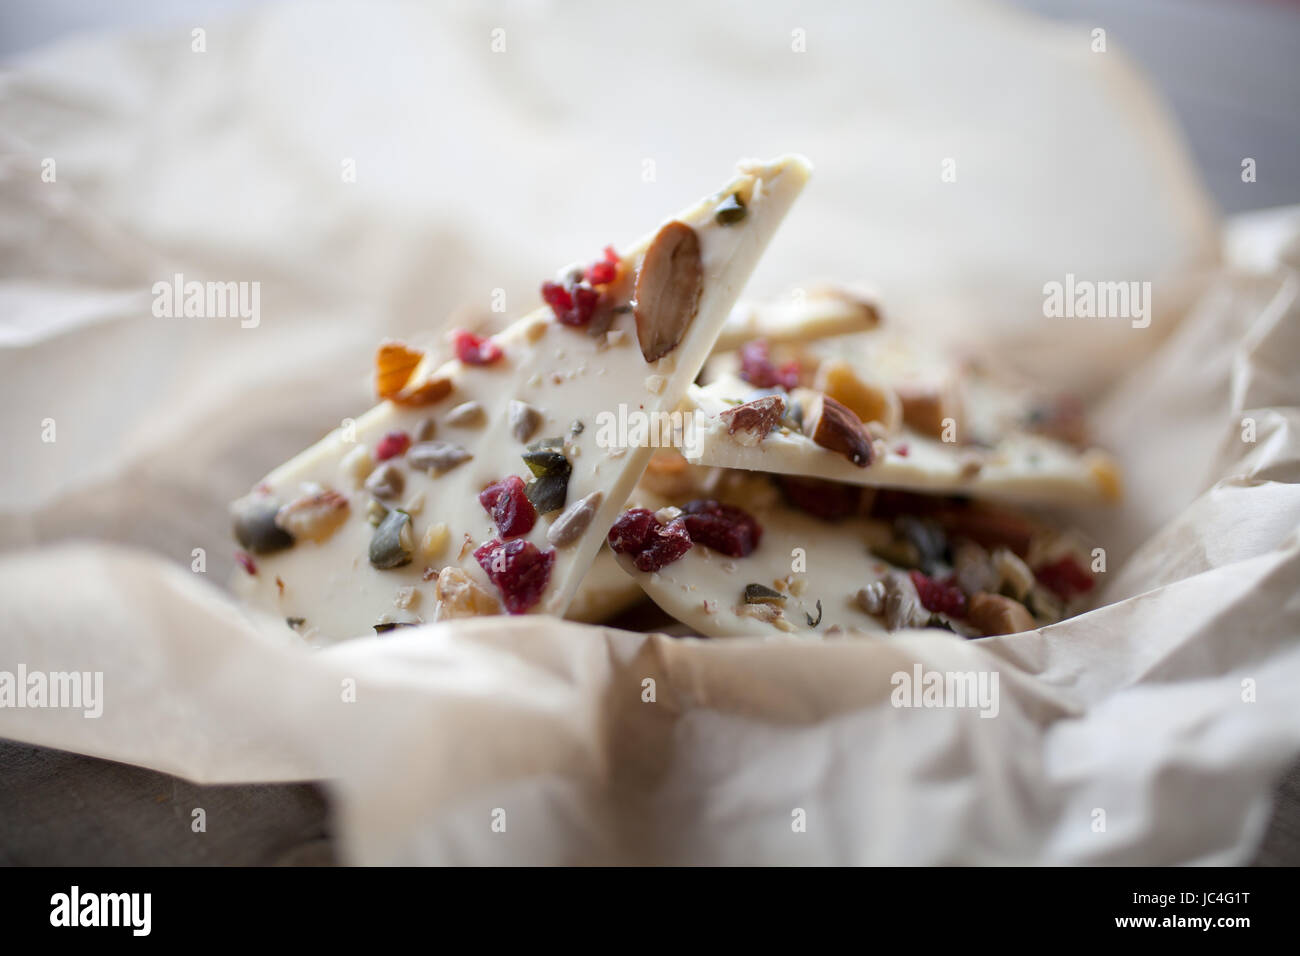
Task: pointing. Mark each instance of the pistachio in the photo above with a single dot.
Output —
(730, 211)
(547, 462)
(458, 595)
(314, 516)
(466, 415)
(254, 524)
(749, 423)
(834, 427)
(668, 287)
(761, 594)
(436, 457)
(392, 543)
(573, 523)
(548, 493)
(994, 614)
(386, 481)
(524, 420)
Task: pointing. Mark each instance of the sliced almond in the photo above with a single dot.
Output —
(833, 426)
(668, 287)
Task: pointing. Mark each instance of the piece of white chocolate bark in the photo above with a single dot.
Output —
(414, 512)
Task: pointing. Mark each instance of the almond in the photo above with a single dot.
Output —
(995, 614)
(668, 287)
(833, 426)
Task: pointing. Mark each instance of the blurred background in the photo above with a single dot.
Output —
(1228, 68)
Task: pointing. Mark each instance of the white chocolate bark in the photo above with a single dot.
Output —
(564, 373)
(1008, 463)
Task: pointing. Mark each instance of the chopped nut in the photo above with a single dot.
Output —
(869, 401)
(750, 423)
(654, 384)
(971, 465)
(355, 466)
(667, 514)
(375, 513)
(426, 430)
(524, 420)
(668, 287)
(536, 330)
(315, 516)
(386, 482)
(426, 393)
(834, 427)
(406, 597)
(415, 504)
(995, 614)
(458, 596)
(466, 415)
(1014, 577)
(766, 613)
(895, 599)
(436, 457)
(973, 569)
(434, 540)
(615, 337)
(574, 521)
(798, 586)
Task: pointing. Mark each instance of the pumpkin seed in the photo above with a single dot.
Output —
(393, 543)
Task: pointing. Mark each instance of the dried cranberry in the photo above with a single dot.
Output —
(518, 569)
(827, 500)
(392, 445)
(902, 450)
(507, 502)
(246, 561)
(473, 350)
(631, 532)
(572, 306)
(1064, 578)
(652, 546)
(605, 271)
(757, 369)
(941, 597)
(724, 528)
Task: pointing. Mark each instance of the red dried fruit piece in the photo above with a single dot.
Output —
(507, 502)
(724, 528)
(473, 350)
(519, 570)
(902, 450)
(246, 562)
(605, 271)
(827, 500)
(392, 445)
(652, 545)
(1064, 578)
(631, 532)
(757, 369)
(941, 597)
(572, 306)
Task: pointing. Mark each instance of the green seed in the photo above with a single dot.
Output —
(548, 492)
(547, 463)
(255, 527)
(759, 594)
(731, 211)
(393, 541)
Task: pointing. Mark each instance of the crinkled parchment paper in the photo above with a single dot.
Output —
(1167, 713)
